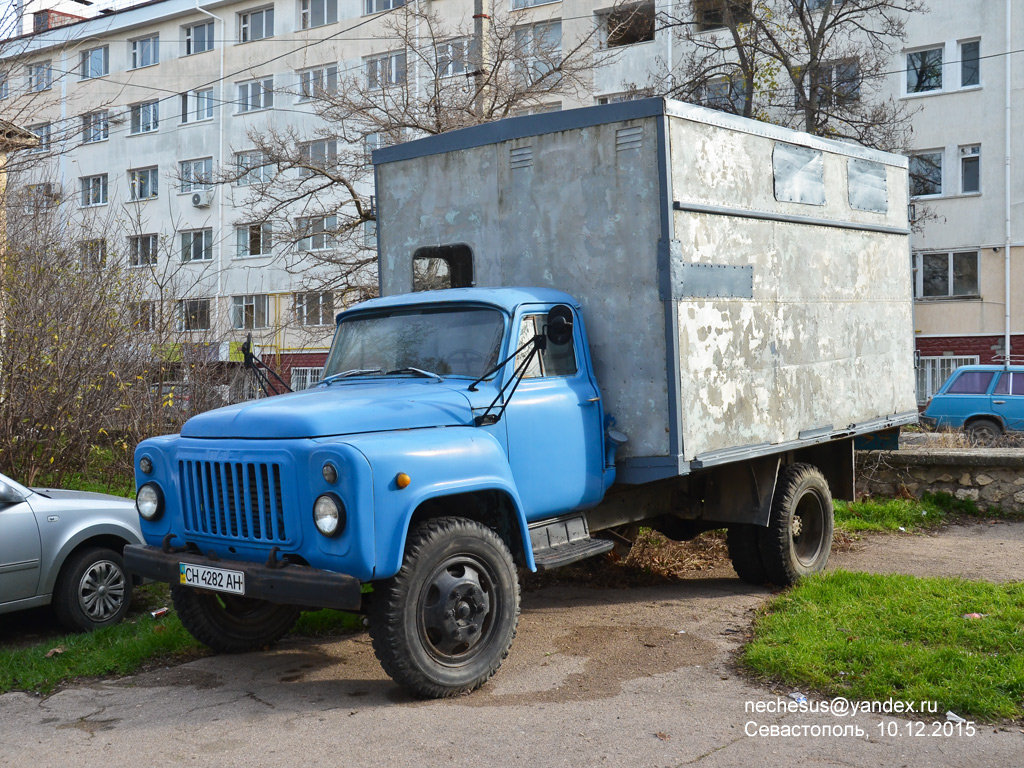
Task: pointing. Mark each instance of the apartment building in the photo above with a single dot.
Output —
(137, 109)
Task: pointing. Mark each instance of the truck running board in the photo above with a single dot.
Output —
(564, 540)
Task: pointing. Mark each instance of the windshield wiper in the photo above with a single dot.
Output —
(416, 371)
(352, 372)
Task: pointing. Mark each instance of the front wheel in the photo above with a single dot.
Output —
(798, 539)
(229, 623)
(93, 590)
(444, 623)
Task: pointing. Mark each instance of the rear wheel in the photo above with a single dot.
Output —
(230, 623)
(798, 539)
(984, 431)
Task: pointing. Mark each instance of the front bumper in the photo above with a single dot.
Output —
(286, 584)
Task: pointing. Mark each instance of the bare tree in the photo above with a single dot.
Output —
(815, 65)
(436, 77)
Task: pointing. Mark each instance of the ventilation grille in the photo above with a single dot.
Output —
(521, 157)
(233, 500)
(629, 138)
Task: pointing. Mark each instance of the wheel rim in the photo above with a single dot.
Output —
(457, 610)
(101, 590)
(808, 528)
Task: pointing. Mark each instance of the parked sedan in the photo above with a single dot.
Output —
(63, 548)
(985, 400)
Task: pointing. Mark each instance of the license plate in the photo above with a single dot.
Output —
(218, 579)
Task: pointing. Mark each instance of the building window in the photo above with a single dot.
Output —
(253, 239)
(93, 253)
(145, 51)
(93, 190)
(386, 69)
(970, 169)
(143, 315)
(199, 38)
(540, 45)
(316, 82)
(726, 94)
(318, 233)
(40, 76)
(5, 90)
(626, 25)
(443, 266)
(253, 168)
(369, 234)
(197, 105)
(249, 312)
(194, 315)
(197, 245)
(817, 5)
(924, 71)
(196, 174)
(257, 94)
(970, 63)
(317, 13)
(718, 14)
(95, 126)
(314, 308)
(143, 183)
(926, 174)
(145, 117)
(142, 251)
(321, 154)
(452, 58)
(42, 132)
(95, 62)
(304, 378)
(40, 197)
(946, 274)
(255, 25)
(837, 83)
(376, 6)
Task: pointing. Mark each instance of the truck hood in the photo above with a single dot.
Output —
(339, 409)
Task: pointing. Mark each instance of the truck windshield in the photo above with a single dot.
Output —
(448, 342)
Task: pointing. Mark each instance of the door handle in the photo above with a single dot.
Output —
(593, 399)
(998, 402)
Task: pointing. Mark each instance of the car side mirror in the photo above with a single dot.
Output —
(9, 495)
(559, 325)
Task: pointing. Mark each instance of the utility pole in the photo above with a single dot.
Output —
(479, 53)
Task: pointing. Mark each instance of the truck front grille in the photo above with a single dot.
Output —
(233, 499)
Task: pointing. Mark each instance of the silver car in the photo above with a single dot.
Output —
(64, 548)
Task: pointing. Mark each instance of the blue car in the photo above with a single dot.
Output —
(986, 401)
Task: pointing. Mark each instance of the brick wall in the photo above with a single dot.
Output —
(986, 347)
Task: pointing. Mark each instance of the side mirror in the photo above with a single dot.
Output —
(9, 495)
(559, 325)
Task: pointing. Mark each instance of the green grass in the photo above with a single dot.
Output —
(931, 510)
(869, 637)
(137, 643)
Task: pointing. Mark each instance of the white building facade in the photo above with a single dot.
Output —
(138, 109)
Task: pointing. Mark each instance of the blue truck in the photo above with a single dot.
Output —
(717, 309)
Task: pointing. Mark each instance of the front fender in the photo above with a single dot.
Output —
(57, 548)
(440, 462)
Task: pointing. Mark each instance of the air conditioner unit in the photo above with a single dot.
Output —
(202, 198)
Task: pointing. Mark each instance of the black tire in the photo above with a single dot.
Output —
(230, 623)
(984, 431)
(798, 539)
(444, 623)
(743, 541)
(93, 590)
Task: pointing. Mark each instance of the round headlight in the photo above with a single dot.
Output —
(149, 501)
(329, 514)
(146, 465)
(330, 473)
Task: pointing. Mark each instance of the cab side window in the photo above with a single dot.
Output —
(556, 360)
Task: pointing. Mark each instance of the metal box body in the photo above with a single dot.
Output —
(737, 302)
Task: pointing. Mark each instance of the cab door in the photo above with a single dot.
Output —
(554, 423)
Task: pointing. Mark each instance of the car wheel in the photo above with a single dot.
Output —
(983, 431)
(444, 623)
(93, 590)
(232, 623)
(798, 539)
(745, 553)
